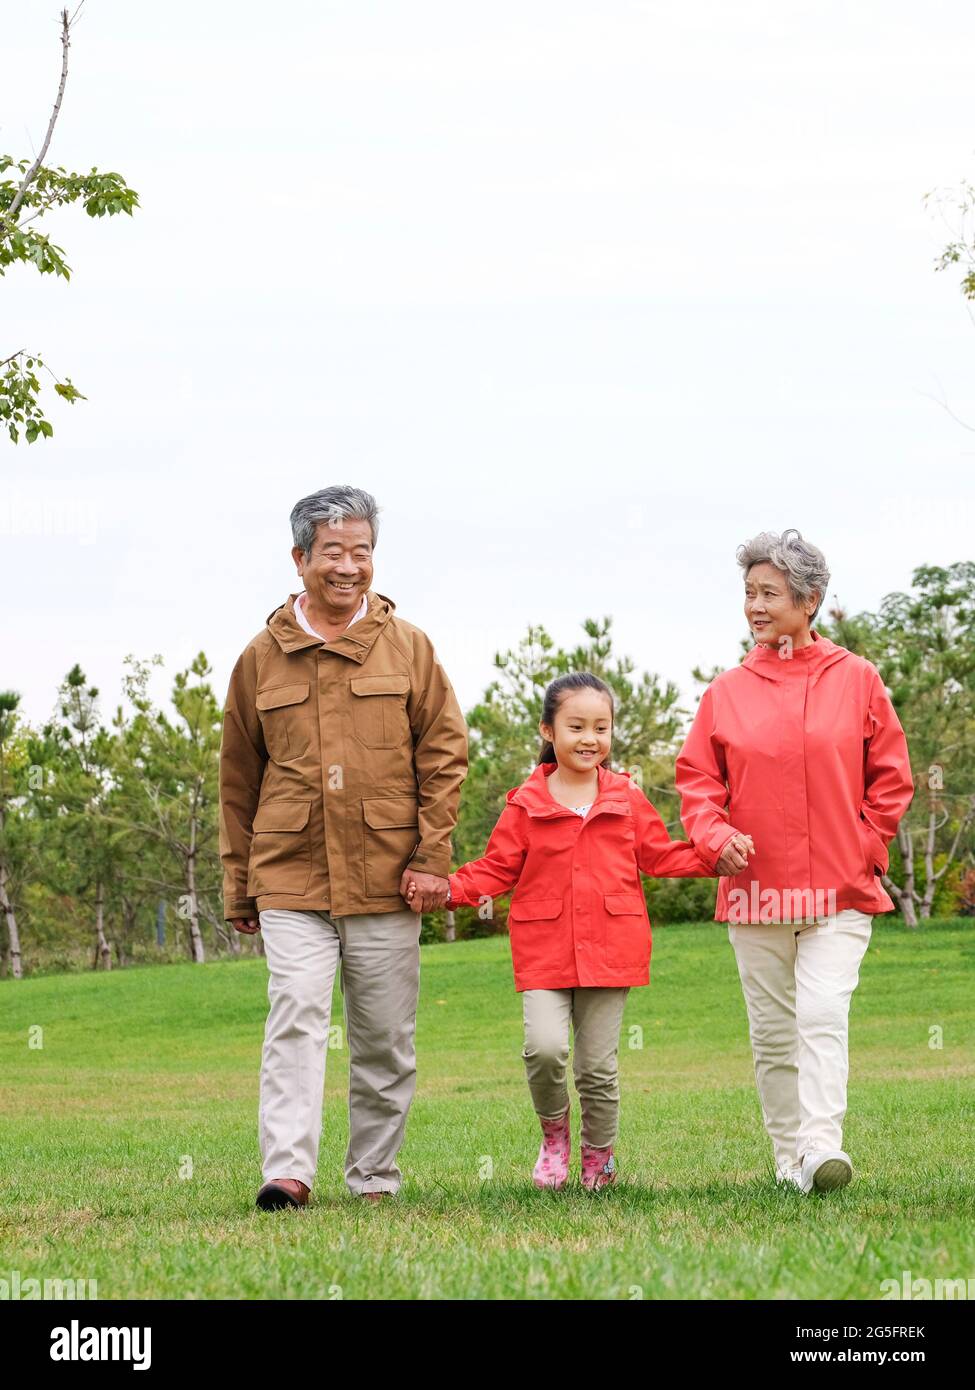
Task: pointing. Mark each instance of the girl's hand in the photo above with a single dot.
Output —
(423, 892)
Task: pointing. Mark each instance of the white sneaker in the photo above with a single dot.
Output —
(825, 1171)
(792, 1177)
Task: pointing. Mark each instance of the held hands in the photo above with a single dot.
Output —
(735, 854)
(423, 892)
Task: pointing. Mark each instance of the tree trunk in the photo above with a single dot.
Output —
(221, 930)
(450, 931)
(196, 938)
(13, 935)
(102, 948)
(930, 878)
(123, 942)
(905, 897)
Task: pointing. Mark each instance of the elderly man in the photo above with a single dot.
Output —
(342, 758)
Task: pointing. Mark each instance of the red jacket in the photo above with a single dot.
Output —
(807, 756)
(578, 916)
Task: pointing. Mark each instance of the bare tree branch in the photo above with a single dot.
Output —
(66, 22)
(945, 406)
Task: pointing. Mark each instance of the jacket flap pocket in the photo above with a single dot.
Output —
(282, 815)
(282, 695)
(380, 685)
(624, 904)
(537, 907)
(389, 812)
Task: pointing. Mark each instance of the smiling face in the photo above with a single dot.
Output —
(769, 608)
(582, 732)
(339, 569)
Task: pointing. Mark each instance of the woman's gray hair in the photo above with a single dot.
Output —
(803, 565)
(332, 504)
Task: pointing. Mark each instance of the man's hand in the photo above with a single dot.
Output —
(423, 892)
(735, 854)
(246, 924)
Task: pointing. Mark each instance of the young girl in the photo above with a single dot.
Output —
(572, 841)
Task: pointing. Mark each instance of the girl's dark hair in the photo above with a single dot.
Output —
(554, 695)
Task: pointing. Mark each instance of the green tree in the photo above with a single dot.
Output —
(83, 844)
(923, 644)
(27, 196)
(14, 827)
(168, 798)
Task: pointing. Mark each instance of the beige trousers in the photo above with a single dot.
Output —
(380, 980)
(798, 981)
(595, 1016)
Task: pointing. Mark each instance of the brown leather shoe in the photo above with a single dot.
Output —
(374, 1196)
(283, 1192)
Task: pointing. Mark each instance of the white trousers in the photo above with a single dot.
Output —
(797, 981)
(380, 980)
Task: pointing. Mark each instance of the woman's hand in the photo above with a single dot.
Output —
(735, 854)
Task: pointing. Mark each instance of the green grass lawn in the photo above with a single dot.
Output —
(147, 1069)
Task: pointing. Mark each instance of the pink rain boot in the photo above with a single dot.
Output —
(598, 1167)
(552, 1166)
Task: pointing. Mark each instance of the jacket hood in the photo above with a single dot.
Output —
(813, 659)
(537, 800)
(356, 642)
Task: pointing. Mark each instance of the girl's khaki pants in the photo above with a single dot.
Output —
(595, 1017)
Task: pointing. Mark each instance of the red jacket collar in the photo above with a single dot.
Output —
(534, 795)
(815, 657)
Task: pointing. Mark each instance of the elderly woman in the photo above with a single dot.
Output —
(798, 748)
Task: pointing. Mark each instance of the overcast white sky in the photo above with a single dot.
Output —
(585, 293)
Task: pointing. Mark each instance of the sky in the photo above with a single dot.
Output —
(586, 294)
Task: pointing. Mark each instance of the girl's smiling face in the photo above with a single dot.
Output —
(583, 730)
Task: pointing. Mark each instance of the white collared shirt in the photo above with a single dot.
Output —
(300, 615)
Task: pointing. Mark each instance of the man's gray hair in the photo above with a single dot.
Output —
(332, 504)
(803, 564)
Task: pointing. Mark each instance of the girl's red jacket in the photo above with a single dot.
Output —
(578, 917)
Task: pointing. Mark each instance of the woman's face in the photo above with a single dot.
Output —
(769, 609)
(583, 730)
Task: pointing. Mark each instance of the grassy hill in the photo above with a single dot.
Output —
(129, 1141)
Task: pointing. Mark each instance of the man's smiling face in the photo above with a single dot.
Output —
(339, 569)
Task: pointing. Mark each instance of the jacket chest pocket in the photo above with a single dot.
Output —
(627, 929)
(285, 715)
(379, 717)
